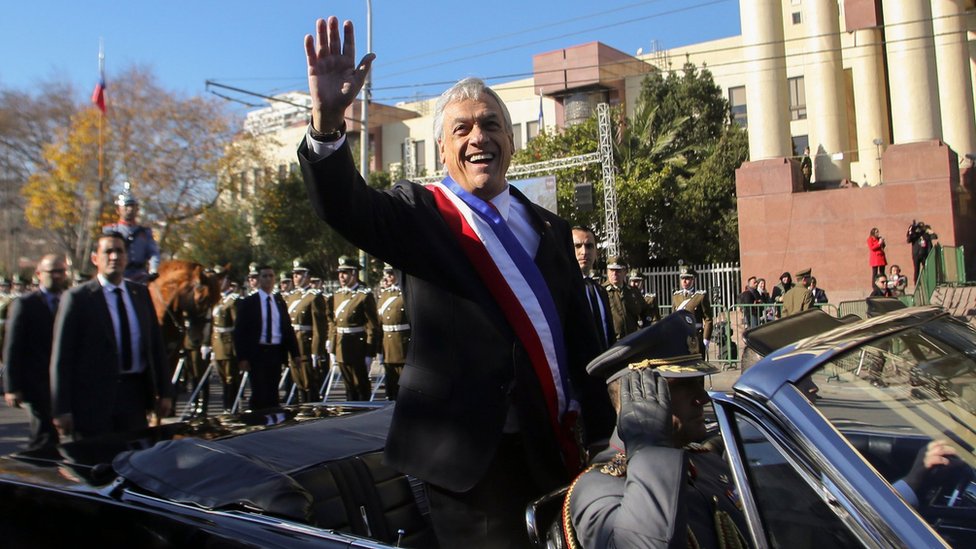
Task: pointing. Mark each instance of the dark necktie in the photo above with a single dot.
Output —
(267, 322)
(125, 335)
(55, 299)
(597, 317)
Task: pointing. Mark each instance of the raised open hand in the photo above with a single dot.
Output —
(334, 78)
(645, 410)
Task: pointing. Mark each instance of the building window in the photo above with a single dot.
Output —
(800, 143)
(532, 129)
(798, 99)
(737, 104)
(420, 156)
(796, 18)
(517, 136)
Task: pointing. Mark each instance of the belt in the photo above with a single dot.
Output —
(301, 328)
(223, 330)
(396, 327)
(350, 329)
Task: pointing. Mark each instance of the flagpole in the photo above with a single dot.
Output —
(101, 124)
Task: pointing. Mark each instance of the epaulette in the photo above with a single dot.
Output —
(364, 290)
(700, 292)
(676, 292)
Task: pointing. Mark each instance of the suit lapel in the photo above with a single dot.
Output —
(100, 311)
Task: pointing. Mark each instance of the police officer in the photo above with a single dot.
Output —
(626, 303)
(307, 309)
(285, 284)
(141, 247)
(354, 333)
(656, 380)
(650, 312)
(396, 330)
(696, 301)
(224, 314)
(252, 279)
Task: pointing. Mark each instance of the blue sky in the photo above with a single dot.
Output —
(257, 45)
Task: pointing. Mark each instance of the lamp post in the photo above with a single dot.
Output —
(878, 142)
(364, 108)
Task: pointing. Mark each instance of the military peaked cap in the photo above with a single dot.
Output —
(299, 266)
(802, 273)
(634, 275)
(670, 346)
(686, 271)
(616, 263)
(347, 263)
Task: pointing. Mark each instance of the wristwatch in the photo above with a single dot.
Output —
(329, 136)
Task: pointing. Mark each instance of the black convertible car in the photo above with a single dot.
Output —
(819, 431)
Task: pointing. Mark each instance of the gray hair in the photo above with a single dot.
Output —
(468, 88)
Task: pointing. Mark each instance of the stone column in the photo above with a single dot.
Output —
(826, 92)
(915, 114)
(870, 102)
(767, 98)
(955, 78)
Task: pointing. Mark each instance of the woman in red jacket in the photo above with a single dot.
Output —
(876, 244)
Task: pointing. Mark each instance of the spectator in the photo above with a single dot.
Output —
(819, 296)
(785, 285)
(876, 243)
(897, 281)
(920, 237)
(749, 300)
(768, 314)
(881, 288)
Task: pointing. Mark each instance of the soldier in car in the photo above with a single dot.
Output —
(659, 484)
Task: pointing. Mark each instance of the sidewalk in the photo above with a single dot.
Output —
(723, 380)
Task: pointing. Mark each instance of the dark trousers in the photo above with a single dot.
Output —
(875, 271)
(492, 514)
(392, 379)
(132, 402)
(42, 431)
(356, 378)
(918, 259)
(265, 375)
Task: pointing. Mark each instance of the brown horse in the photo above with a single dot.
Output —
(183, 294)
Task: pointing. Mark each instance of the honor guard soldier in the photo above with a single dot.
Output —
(252, 279)
(140, 246)
(650, 313)
(659, 452)
(285, 285)
(222, 341)
(19, 286)
(696, 301)
(396, 331)
(354, 333)
(307, 309)
(196, 348)
(626, 304)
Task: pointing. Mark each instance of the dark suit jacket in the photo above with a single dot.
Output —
(85, 359)
(465, 365)
(27, 349)
(248, 328)
(607, 319)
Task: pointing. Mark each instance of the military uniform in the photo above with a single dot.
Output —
(396, 336)
(307, 309)
(653, 309)
(799, 297)
(196, 333)
(626, 303)
(698, 303)
(224, 315)
(354, 334)
(140, 245)
(643, 491)
(649, 312)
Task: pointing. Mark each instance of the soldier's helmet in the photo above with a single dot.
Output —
(126, 198)
(634, 274)
(616, 263)
(347, 263)
(299, 266)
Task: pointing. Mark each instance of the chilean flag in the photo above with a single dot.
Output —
(98, 96)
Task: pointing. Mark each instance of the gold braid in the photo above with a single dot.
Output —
(569, 533)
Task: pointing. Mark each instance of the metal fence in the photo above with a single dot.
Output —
(722, 281)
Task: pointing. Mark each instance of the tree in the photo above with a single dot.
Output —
(220, 236)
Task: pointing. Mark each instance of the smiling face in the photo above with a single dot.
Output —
(475, 146)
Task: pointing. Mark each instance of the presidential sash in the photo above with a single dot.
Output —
(517, 285)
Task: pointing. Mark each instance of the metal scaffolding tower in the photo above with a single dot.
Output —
(409, 164)
(611, 227)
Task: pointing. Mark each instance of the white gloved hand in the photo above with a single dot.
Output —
(705, 342)
(379, 358)
(205, 351)
(332, 358)
(369, 362)
(328, 348)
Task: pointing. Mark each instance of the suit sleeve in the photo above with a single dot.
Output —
(645, 509)
(65, 350)
(14, 347)
(242, 348)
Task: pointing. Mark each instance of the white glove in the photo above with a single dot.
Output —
(328, 348)
(332, 359)
(369, 362)
(705, 342)
(205, 351)
(379, 358)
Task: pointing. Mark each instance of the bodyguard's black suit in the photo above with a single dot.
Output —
(27, 354)
(265, 360)
(465, 365)
(86, 380)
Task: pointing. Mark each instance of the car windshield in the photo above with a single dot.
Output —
(901, 401)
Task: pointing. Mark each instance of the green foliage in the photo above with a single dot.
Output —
(220, 236)
(288, 228)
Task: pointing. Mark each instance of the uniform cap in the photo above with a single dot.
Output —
(347, 263)
(252, 270)
(670, 346)
(616, 263)
(285, 277)
(634, 274)
(19, 279)
(802, 273)
(299, 265)
(387, 268)
(686, 271)
(126, 198)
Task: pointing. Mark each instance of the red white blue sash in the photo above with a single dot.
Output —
(518, 287)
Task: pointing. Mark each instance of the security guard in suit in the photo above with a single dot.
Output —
(396, 330)
(659, 452)
(650, 312)
(626, 304)
(224, 314)
(307, 309)
(696, 301)
(354, 334)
